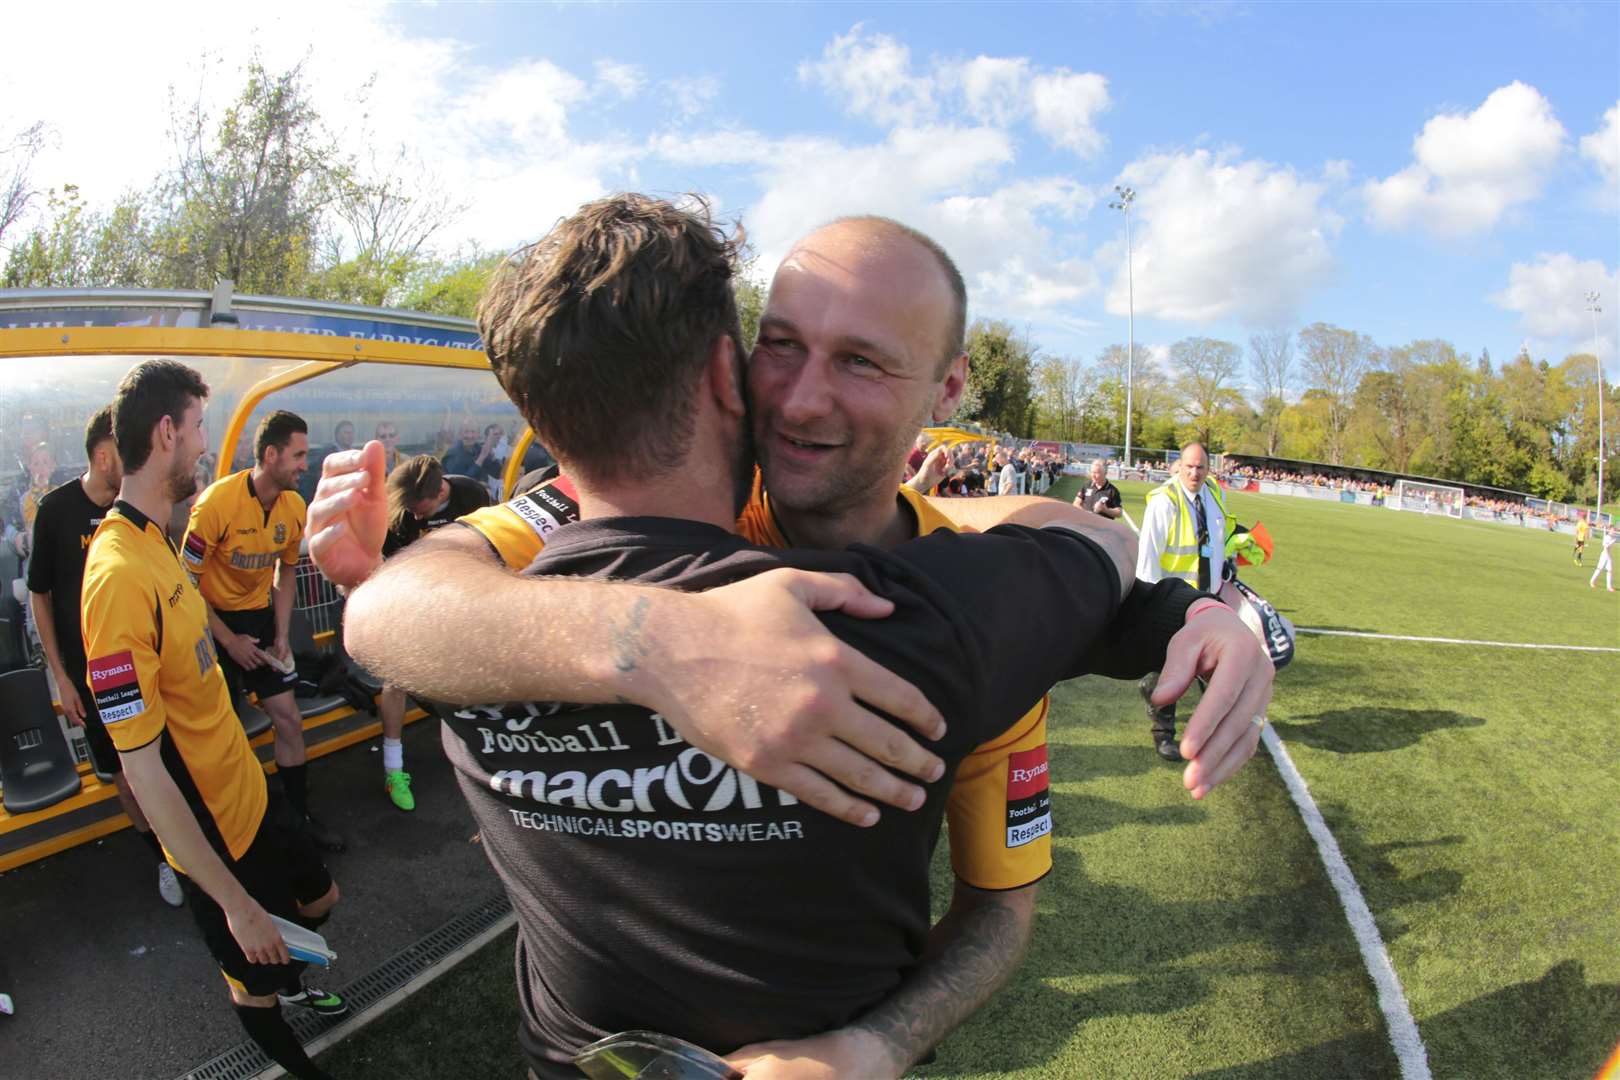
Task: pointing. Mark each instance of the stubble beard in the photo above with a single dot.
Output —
(182, 483)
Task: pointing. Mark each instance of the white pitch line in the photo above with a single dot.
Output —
(1403, 1032)
(1456, 641)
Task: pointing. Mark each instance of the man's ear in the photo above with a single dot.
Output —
(950, 388)
(724, 374)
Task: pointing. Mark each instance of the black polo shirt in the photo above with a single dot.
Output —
(466, 495)
(1107, 495)
(66, 521)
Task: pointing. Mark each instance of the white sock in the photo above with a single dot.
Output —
(393, 754)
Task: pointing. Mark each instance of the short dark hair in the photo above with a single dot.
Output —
(98, 430)
(150, 391)
(277, 430)
(956, 332)
(412, 480)
(600, 331)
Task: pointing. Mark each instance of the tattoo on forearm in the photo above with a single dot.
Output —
(986, 948)
(628, 648)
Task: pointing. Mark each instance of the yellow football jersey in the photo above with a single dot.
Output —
(233, 544)
(154, 674)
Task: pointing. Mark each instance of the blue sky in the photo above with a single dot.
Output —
(1440, 170)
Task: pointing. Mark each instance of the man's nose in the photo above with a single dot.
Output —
(808, 394)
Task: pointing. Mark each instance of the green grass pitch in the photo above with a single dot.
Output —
(1474, 792)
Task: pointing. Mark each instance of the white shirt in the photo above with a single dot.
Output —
(1009, 479)
(1156, 525)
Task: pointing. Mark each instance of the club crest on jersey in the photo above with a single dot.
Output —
(116, 687)
(1029, 797)
(281, 532)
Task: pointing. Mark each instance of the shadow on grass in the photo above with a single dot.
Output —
(1557, 1027)
(1372, 729)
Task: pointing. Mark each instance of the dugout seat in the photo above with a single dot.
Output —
(357, 674)
(255, 721)
(313, 698)
(36, 763)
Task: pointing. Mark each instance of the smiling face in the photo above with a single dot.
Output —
(189, 443)
(848, 366)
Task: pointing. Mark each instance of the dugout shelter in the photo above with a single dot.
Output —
(349, 371)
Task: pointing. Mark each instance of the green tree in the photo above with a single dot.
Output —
(1205, 369)
(246, 197)
(451, 286)
(1000, 377)
(1063, 388)
(1334, 360)
(1271, 366)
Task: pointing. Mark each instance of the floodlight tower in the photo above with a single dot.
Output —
(1592, 299)
(1123, 203)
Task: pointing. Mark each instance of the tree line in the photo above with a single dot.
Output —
(265, 195)
(1320, 393)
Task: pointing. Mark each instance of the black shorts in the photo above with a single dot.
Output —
(103, 754)
(264, 681)
(280, 869)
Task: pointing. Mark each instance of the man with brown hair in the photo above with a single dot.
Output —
(242, 544)
(67, 519)
(153, 673)
(544, 361)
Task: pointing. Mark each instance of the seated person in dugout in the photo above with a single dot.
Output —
(421, 498)
(701, 836)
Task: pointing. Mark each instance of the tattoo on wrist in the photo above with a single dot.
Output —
(628, 648)
(946, 989)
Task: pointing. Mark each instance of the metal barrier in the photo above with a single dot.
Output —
(318, 599)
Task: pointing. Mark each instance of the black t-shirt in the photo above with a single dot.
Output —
(656, 887)
(1107, 495)
(66, 521)
(466, 495)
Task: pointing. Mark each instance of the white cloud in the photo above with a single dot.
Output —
(1217, 237)
(1549, 295)
(501, 138)
(691, 96)
(624, 80)
(995, 88)
(1066, 106)
(1602, 147)
(1471, 169)
(872, 76)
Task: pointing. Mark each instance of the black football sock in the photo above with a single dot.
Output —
(149, 838)
(296, 784)
(267, 1028)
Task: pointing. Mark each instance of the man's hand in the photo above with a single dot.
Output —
(281, 650)
(244, 650)
(830, 1056)
(935, 467)
(348, 517)
(1222, 734)
(796, 715)
(72, 707)
(257, 936)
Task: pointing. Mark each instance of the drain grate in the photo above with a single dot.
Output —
(246, 1060)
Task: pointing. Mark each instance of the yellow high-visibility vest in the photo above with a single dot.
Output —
(1180, 555)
